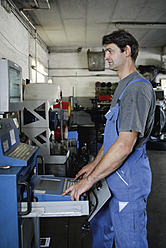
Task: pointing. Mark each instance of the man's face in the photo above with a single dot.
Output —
(114, 56)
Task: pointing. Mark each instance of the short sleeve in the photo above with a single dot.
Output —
(135, 108)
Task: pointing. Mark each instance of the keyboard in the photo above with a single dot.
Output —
(67, 183)
(22, 151)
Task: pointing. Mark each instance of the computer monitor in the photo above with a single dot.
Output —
(159, 95)
(10, 86)
(163, 85)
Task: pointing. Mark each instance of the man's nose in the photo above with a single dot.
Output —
(106, 55)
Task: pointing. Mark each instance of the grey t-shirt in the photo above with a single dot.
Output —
(137, 107)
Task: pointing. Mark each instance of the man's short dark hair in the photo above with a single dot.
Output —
(122, 38)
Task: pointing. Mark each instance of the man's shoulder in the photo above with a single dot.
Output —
(139, 86)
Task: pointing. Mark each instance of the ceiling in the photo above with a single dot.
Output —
(82, 23)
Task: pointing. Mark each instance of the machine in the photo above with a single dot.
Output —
(157, 139)
(43, 121)
(26, 196)
(17, 161)
(10, 86)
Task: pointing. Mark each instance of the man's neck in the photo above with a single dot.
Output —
(126, 70)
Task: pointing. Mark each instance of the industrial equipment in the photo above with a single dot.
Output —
(157, 139)
(17, 162)
(44, 119)
(11, 86)
(18, 174)
(25, 196)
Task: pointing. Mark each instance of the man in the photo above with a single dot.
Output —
(122, 159)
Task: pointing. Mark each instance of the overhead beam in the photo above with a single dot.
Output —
(140, 25)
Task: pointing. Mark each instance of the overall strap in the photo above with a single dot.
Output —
(133, 81)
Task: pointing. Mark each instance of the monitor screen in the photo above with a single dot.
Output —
(159, 94)
(10, 86)
(14, 77)
(163, 85)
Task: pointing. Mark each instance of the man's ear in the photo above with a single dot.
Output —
(127, 51)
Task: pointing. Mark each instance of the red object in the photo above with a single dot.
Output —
(64, 105)
(104, 98)
(57, 133)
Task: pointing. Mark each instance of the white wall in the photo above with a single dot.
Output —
(150, 56)
(71, 70)
(16, 44)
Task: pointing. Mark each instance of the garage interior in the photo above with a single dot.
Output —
(60, 42)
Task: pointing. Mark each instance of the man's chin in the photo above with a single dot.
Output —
(112, 68)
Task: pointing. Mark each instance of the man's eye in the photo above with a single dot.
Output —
(109, 50)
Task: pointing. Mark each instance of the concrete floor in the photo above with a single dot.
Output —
(156, 208)
(66, 232)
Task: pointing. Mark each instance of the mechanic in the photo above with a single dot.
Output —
(122, 159)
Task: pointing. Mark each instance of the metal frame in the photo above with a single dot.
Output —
(34, 129)
(57, 209)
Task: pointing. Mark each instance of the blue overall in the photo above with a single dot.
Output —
(124, 217)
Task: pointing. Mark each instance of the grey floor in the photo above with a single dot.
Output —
(66, 232)
(156, 208)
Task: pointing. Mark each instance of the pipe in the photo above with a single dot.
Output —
(36, 3)
(37, 7)
(26, 23)
(141, 25)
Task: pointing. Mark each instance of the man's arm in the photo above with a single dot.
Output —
(110, 162)
(115, 156)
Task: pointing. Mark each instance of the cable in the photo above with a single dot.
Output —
(86, 223)
(43, 163)
(82, 243)
(96, 199)
(68, 232)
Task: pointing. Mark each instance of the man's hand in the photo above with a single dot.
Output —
(85, 171)
(78, 189)
(83, 185)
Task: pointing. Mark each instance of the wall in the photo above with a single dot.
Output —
(71, 70)
(150, 56)
(16, 44)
